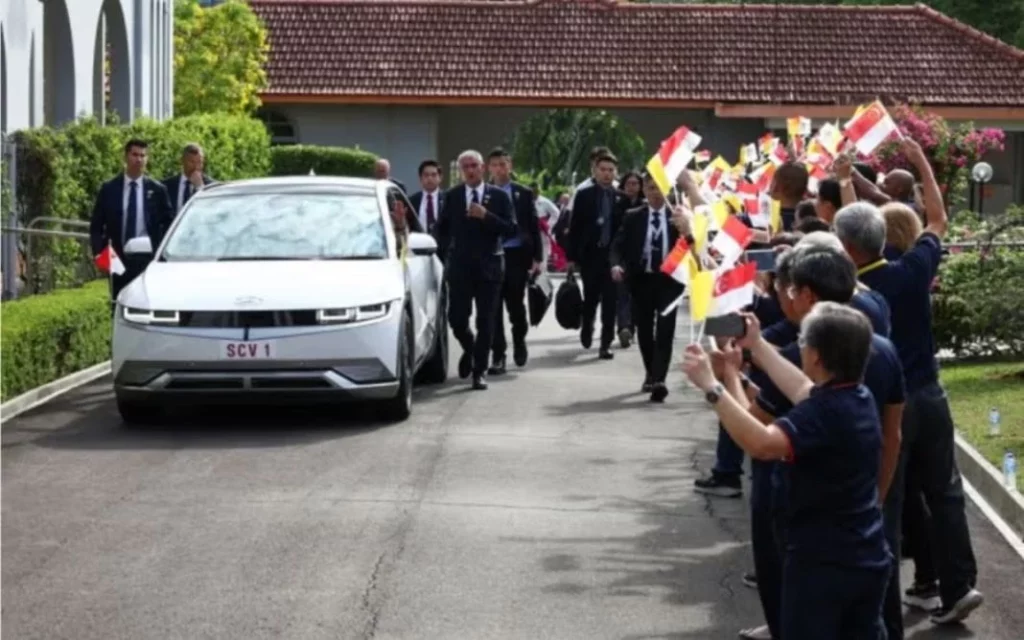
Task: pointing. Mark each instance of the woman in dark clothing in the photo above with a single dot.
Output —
(631, 184)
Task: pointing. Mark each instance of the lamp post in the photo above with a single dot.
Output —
(981, 173)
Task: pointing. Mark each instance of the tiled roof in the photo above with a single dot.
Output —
(594, 50)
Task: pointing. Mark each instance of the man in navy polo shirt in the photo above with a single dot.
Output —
(927, 424)
(836, 560)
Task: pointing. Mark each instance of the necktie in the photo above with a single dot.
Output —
(476, 197)
(656, 231)
(189, 189)
(131, 213)
(605, 218)
(430, 211)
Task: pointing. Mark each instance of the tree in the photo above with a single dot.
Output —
(219, 58)
(556, 144)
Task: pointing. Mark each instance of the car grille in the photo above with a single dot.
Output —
(250, 319)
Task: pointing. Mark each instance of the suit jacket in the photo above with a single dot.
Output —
(470, 243)
(416, 200)
(107, 221)
(171, 183)
(631, 241)
(399, 184)
(585, 224)
(527, 223)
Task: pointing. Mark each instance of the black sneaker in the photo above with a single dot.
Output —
(960, 609)
(749, 580)
(718, 485)
(923, 596)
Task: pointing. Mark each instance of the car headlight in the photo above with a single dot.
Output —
(148, 316)
(353, 314)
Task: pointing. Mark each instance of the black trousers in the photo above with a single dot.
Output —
(518, 264)
(652, 292)
(480, 287)
(599, 290)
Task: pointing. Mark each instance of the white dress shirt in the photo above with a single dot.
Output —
(479, 194)
(423, 206)
(662, 237)
(183, 185)
(586, 183)
(140, 214)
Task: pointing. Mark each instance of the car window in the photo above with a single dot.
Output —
(279, 226)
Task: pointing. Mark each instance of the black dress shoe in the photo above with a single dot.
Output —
(606, 354)
(587, 335)
(625, 338)
(497, 366)
(658, 392)
(479, 383)
(465, 365)
(519, 353)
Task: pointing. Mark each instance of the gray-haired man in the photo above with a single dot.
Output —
(183, 186)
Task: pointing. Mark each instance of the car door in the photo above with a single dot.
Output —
(420, 274)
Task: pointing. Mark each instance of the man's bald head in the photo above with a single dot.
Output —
(899, 185)
(382, 169)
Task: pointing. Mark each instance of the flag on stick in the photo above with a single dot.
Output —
(870, 127)
(672, 157)
(109, 262)
(734, 289)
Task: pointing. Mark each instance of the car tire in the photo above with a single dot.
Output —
(435, 369)
(399, 407)
(139, 414)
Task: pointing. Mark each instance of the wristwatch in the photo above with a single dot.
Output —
(715, 393)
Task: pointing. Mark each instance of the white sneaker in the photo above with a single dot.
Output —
(757, 633)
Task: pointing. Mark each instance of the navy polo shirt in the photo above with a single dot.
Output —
(832, 515)
(874, 306)
(906, 285)
(788, 218)
(891, 253)
(767, 309)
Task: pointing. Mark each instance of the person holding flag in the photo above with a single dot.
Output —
(640, 249)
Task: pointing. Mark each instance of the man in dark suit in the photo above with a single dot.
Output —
(644, 239)
(523, 256)
(382, 171)
(428, 202)
(129, 206)
(180, 188)
(474, 222)
(591, 231)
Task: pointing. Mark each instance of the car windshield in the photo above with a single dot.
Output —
(281, 226)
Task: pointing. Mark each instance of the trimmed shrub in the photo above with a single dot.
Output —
(298, 159)
(61, 169)
(48, 336)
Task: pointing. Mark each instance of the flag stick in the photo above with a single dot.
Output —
(675, 303)
(700, 334)
(691, 329)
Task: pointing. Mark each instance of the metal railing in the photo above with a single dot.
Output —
(29, 268)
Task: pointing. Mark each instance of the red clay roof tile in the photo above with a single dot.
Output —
(594, 50)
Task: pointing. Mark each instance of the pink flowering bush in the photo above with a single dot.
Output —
(952, 150)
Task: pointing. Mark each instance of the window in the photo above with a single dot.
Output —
(279, 226)
(279, 126)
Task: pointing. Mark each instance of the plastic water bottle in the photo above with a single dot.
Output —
(1010, 471)
(993, 422)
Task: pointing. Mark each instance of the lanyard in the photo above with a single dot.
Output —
(877, 264)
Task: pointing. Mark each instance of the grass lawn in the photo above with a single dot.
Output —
(974, 389)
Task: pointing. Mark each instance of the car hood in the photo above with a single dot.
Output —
(265, 285)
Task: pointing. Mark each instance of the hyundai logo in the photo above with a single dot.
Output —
(247, 300)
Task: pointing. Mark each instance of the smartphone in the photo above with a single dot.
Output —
(764, 259)
(732, 325)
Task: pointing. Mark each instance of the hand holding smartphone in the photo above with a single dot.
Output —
(764, 259)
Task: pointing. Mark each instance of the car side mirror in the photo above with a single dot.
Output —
(141, 245)
(422, 244)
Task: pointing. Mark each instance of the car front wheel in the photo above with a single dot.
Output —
(399, 407)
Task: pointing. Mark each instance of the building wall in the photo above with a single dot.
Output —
(52, 58)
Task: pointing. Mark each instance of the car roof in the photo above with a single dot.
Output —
(295, 183)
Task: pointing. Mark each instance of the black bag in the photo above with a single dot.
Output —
(538, 296)
(569, 304)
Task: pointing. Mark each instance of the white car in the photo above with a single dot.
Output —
(282, 289)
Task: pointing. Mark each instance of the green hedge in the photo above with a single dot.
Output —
(298, 159)
(48, 336)
(61, 169)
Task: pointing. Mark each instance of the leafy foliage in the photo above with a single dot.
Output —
(219, 58)
(299, 159)
(49, 336)
(556, 144)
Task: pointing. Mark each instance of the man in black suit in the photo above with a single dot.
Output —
(591, 231)
(382, 171)
(523, 256)
(428, 202)
(182, 187)
(129, 206)
(643, 241)
(474, 222)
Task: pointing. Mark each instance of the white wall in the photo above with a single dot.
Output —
(50, 56)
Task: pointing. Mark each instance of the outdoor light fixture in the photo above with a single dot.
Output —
(980, 174)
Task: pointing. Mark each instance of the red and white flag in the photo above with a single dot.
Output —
(109, 262)
(679, 264)
(815, 175)
(870, 128)
(734, 289)
(731, 240)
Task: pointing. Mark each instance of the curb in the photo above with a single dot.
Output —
(40, 395)
(988, 482)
